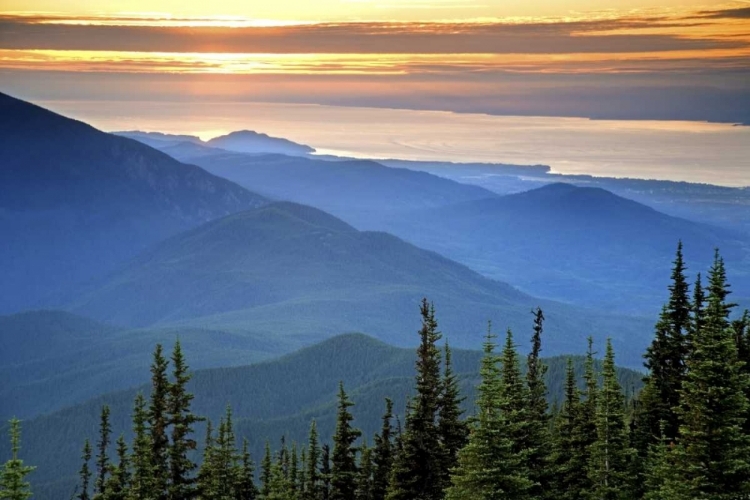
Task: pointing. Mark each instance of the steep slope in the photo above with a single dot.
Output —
(362, 192)
(577, 244)
(268, 400)
(76, 202)
(288, 270)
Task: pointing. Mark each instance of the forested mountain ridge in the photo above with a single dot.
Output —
(269, 399)
(76, 202)
(291, 271)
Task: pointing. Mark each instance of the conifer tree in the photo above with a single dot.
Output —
(365, 474)
(585, 433)
(666, 357)
(488, 467)
(344, 464)
(102, 457)
(158, 422)
(266, 472)
(418, 470)
(312, 487)
(660, 480)
(181, 421)
(245, 488)
(141, 461)
(118, 485)
(325, 472)
(206, 473)
(85, 472)
(610, 454)
(294, 471)
(713, 455)
(13, 484)
(452, 429)
(568, 464)
(538, 440)
(383, 455)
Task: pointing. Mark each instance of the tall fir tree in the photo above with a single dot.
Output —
(344, 463)
(660, 480)
(568, 464)
(119, 483)
(84, 473)
(141, 460)
(453, 430)
(181, 421)
(312, 487)
(418, 471)
(383, 454)
(365, 474)
(244, 481)
(539, 439)
(585, 433)
(158, 421)
(488, 466)
(713, 455)
(666, 357)
(610, 453)
(13, 483)
(102, 456)
(266, 472)
(325, 472)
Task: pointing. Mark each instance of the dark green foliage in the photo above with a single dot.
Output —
(365, 474)
(118, 484)
(158, 420)
(102, 457)
(13, 484)
(325, 472)
(181, 421)
(488, 466)
(610, 453)
(453, 430)
(538, 439)
(85, 473)
(585, 433)
(141, 459)
(383, 455)
(244, 482)
(568, 463)
(344, 463)
(312, 487)
(266, 472)
(418, 471)
(712, 457)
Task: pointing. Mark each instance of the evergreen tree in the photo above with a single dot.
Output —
(344, 469)
(666, 357)
(488, 467)
(383, 455)
(568, 464)
(610, 455)
(206, 472)
(181, 421)
(325, 472)
(13, 484)
(312, 487)
(102, 458)
(585, 433)
(85, 472)
(713, 455)
(158, 420)
(365, 475)
(294, 471)
(660, 481)
(141, 461)
(244, 480)
(452, 429)
(266, 472)
(538, 441)
(418, 471)
(118, 485)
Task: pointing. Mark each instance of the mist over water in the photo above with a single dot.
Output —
(672, 150)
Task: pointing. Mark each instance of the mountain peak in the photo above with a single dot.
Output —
(249, 141)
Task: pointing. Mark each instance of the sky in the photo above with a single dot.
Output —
(636, 59)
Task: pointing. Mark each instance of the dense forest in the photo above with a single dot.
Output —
(685, 435)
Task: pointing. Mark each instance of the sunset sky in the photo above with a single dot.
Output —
(674, 59)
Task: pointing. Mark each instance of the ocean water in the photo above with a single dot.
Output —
(673, 150)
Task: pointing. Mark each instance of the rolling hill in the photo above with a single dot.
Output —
(268, 400)
(580, 245)
(290, 271)
(76, 202)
